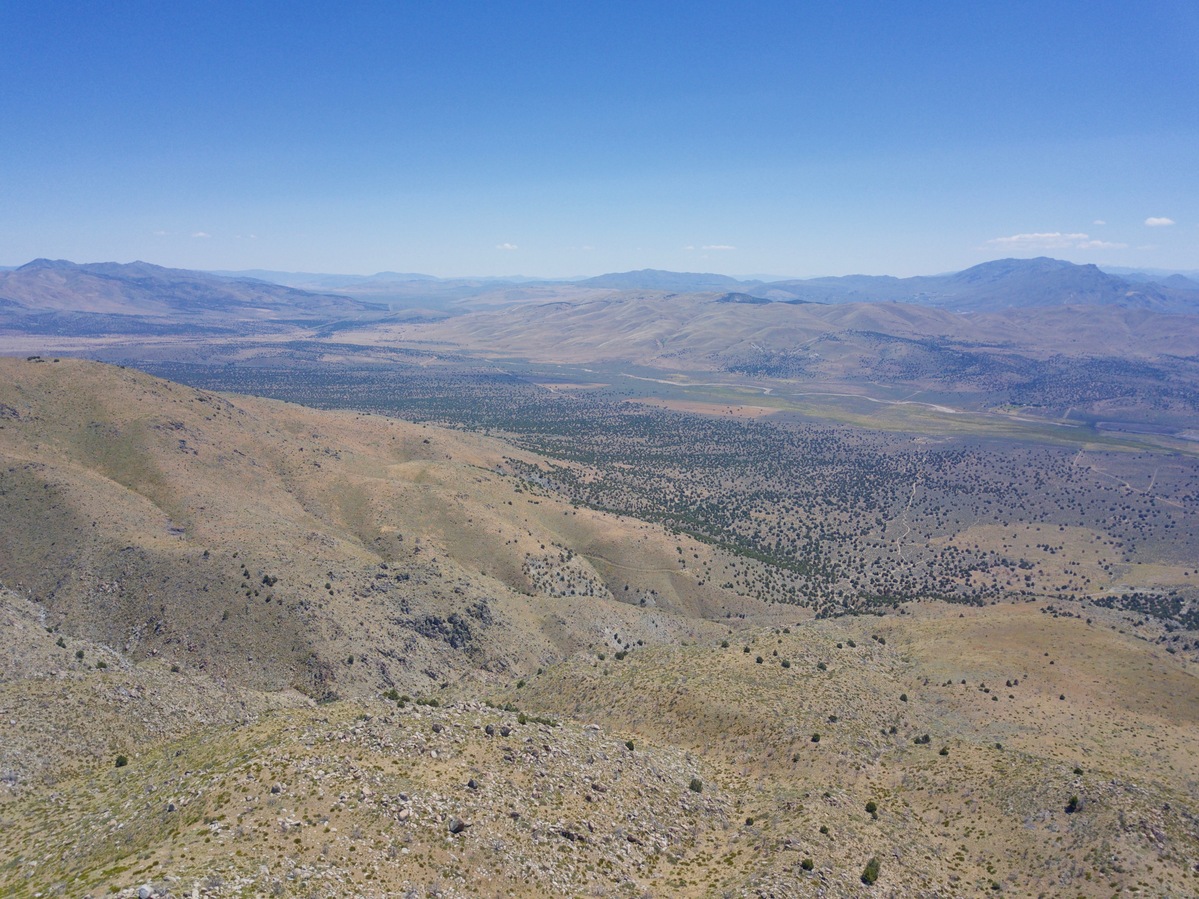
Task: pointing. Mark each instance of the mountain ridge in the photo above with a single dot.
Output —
(58, 296)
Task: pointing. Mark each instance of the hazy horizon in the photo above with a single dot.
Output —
(529, 277)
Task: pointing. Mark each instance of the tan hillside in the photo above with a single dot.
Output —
(269, 544)
(695, 330)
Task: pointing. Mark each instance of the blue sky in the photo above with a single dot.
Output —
(571, 138)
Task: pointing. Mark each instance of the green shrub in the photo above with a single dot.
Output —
(870, 872)
(807, 864)
(696, 785)
(629, 745)
(122, 761)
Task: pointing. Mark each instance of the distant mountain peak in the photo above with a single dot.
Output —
(44, 264)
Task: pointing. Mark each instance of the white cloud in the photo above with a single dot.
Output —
(688, 247)
(201, 234)
(1054, 240)
(1099, 222)
(161, 233)
(1041, 240)
(506, 246)
(1102, 245)
(1158, 222)
(719, 246)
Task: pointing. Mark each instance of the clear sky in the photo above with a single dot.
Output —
(569, 138)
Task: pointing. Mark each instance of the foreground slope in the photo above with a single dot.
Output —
(247, 648)
(953, 751)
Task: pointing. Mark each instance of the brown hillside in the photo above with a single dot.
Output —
(271, 544)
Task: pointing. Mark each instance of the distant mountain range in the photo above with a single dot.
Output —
(1002, 284)
(56, 296)
(991, 286)
(59, 297)
(311, 280)
(656, 279)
